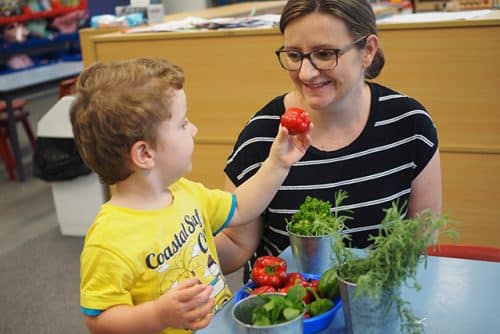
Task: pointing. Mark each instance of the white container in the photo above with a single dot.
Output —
(77, 201)
(139, 3)
(176, 6)
(152, 13)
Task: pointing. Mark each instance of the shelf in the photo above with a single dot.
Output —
(57, 9)
(38, 74)
(45, 53)
(31, 43)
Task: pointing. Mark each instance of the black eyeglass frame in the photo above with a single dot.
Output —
(338, 52)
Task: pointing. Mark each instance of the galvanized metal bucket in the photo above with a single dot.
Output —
(242, 315)
(313, 255)
(364, 315)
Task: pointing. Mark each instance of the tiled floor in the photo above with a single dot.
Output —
(26, 209)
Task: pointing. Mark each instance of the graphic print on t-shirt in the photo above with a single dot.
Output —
(188, 255)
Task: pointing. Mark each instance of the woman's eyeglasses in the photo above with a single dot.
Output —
(321, 59)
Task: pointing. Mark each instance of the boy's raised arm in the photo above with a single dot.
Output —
(256, 193)
(236, 243)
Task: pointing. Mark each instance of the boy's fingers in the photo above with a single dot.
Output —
(283, 133)
(188, 283)
(194, 292)
(196, 298)
(200, 310)
(305, 141)
(204, 296)
(201, 317)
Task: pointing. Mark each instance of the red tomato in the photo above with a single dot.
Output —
(285, 288)
(263, 289)
(291, 278)
(307, 298)
(269, 270)
(314, 284)
(296, 121)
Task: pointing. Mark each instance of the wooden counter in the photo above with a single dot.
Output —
(453, 68)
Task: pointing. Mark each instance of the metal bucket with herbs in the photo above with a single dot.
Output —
(370, 285)
(310, 231)
(271, 313)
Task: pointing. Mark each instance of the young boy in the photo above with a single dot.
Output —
(149, 262)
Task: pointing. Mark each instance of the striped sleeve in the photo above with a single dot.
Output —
(254, 142)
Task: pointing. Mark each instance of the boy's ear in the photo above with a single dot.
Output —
(141, 155)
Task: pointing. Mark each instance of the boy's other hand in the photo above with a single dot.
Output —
(186, 306)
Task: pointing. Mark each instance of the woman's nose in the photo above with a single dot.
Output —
(307, 70)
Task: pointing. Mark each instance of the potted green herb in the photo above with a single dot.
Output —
(370, 285)
(272, 313)
(311, 229)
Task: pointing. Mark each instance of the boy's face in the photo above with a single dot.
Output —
(175, 140)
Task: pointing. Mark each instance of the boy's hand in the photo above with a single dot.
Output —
(186, 306)
(288, 149)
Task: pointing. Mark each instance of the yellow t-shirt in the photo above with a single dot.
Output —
(134, 256)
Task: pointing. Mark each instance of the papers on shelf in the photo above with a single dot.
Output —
(198, 23)
(434, 16)
(272, 20)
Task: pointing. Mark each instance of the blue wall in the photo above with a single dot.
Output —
(99, 7)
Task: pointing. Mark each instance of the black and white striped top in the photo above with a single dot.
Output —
(376, 169)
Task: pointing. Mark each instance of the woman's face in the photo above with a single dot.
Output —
(322, 89)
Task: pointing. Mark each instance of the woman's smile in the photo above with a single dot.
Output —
(316, 85)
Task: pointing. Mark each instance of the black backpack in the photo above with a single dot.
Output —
(57, 159)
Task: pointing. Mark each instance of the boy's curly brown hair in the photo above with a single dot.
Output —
(117, 105)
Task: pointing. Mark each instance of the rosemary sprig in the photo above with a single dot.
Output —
(398, 248)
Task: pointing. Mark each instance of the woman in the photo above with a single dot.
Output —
(375, 143)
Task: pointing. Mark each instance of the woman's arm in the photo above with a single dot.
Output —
(426, 192)
(236, 243)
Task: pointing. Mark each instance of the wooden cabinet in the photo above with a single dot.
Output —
(451, 67)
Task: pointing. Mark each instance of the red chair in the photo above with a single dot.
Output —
(472, 252)
(66, 87)
(7, 157)
(20, 114)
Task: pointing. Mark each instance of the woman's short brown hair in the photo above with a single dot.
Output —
(117, 105)
(357, 15)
